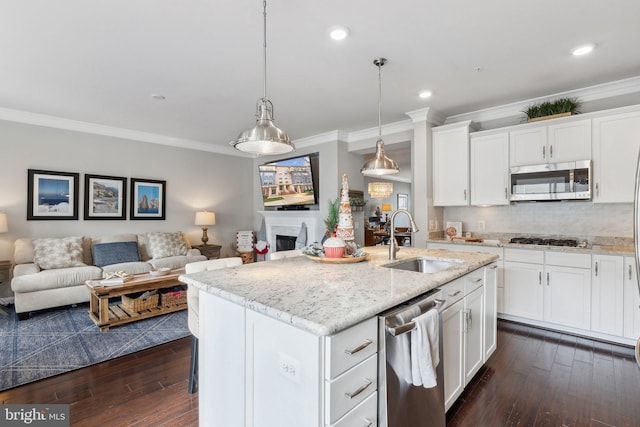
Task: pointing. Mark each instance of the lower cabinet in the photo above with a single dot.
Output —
(463, 326)
(251, 357)
(631, 309)
(607, 294)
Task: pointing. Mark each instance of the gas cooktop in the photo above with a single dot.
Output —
(544, 241)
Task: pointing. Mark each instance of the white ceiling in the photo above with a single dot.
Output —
(99, 61)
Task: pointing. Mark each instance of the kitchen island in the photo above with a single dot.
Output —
(268, 329)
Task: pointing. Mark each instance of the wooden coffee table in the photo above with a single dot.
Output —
(106, 315)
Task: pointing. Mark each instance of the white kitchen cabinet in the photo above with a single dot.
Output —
(453, 352)
(451, 165)
(490, 324)
(523, 293)
(553, 143)
(616, 140)
(490, 169)
(473, 330)
(567, 296)
(607, 294)
(631, 300)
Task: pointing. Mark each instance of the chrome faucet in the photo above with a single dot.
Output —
(393, 247)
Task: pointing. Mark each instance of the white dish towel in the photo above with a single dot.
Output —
(425, 349)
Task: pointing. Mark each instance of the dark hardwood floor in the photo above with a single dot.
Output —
(535, 378)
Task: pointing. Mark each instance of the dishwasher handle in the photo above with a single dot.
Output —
(408, 326)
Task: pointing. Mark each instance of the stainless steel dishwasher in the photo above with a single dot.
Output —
(400, 403)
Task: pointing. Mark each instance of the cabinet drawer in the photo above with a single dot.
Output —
(364, 415)
(524, 255)
(473, 281)
(350, 347)
(568, 259)
(359, 382)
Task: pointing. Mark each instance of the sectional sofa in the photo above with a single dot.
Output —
(51, 272)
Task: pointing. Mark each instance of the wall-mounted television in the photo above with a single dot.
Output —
(289, 183)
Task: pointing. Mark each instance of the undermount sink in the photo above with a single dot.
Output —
(423, 264)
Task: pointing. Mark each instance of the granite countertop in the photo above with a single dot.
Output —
(610, 249)
(325, 298)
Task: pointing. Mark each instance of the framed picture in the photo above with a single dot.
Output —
(52, 195)
(147, 199)
(105, 197)
(403, 201)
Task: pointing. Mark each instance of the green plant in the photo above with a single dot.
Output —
(331, 222)
(549, 108)
(357, 202)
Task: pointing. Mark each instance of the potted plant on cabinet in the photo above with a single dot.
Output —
(552, 109)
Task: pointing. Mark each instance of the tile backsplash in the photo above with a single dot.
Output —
(582, 220)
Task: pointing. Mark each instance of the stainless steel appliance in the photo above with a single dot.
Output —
(636, 239)
(400, 403)
(551, 181)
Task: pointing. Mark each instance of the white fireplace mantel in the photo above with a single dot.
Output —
(288, 223)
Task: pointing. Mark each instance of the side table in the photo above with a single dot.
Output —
(5, 282)
(210, 251)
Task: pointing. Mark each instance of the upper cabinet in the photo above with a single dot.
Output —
(616, 140)
(490, 169)
(561, 142)
(451, 165)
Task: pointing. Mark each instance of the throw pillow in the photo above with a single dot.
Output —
(115, 253)
(163, 245)
(58, 253)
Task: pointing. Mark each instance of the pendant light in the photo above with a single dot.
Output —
(380, 164)
(264, 137)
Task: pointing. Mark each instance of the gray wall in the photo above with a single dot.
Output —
(196, 180)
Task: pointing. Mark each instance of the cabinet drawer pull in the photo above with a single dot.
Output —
(455, 293)
(360, 389)
(479, 279)
(368, 422)
(493, 267)
(361, 347)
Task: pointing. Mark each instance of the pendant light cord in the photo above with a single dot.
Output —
(264, 50)
(379, 101)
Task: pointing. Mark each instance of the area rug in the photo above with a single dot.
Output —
(61, 340)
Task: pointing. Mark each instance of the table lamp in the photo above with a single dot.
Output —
(205, 218)
(4, 227)
(386, 208)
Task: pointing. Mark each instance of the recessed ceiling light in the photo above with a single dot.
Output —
(425, 94)
(582, 50)
(338, 32)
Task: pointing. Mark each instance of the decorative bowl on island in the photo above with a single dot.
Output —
(333, 247)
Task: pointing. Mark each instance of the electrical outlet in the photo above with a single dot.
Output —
(481, 225)
(289, 367)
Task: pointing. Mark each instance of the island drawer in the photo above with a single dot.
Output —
(350, 389)
(362, 415)
(350, 347)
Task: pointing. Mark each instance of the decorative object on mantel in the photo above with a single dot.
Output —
(205, 218)
(380, 164)
(561, 107)
(264, 137)
(261, 248)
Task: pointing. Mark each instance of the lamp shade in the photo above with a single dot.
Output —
(4, 227)
(205, 218)
(380, 190)
(386, 207)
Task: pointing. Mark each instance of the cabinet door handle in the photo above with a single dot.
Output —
(597, 189)
(506, 195)
(539, 277)
(465, 321)
(547, 278)
(465, 194)
(361, 347)
(544, 152)
(629, 271)
(551, 151)
(360, 389)
(470, 320)
(596, 269)
(368, 422)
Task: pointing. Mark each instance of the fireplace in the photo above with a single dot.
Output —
(289, 223)
(285, 243)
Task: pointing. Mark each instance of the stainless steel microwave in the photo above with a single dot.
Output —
(551, 181)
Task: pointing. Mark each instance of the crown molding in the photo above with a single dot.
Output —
(388, 129)
(426, 115)
(587, 94)
(115, 132)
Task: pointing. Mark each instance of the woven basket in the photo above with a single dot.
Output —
(173, 298)
(140, 304)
